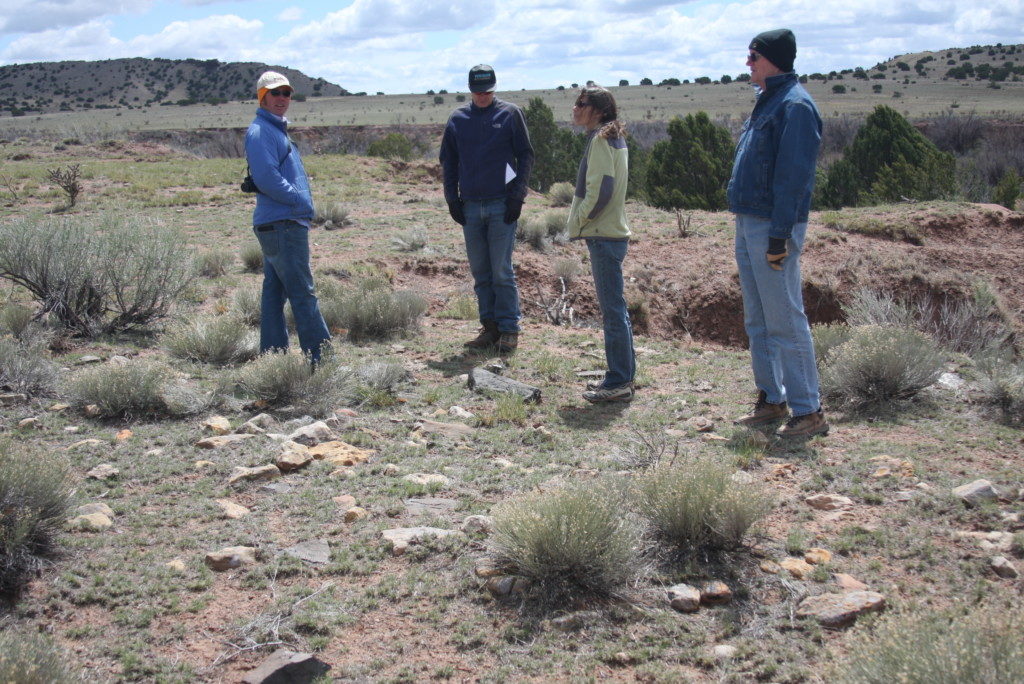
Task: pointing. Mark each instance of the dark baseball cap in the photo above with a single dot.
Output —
(482, 79)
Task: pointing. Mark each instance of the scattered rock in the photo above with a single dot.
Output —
(287, 667)
(278, 487)
(391, 470)
(318, 551)
(202, 465)
(951, 381)
(231, 510)
(712, 438)
(292, 460)
(715, 592)
(90, 508)
(340, 453)
(431, 427)
(256, 474)
(218, 425)
(503, 463)
(231, 557)
(770, 566)
(835, 611)
(427, 479)
(430, 506)
(92, 411)
(485, 568)
(503, 587)
(87, 359)
(478, 523)
(724, 651)
(344, 501)
(979, 490)
(85, 443)
(92, 522)
(742, 477)
(818, 556)
(459, 412)
(176, 565)
(828, 502)
(482, 380)
(57, 408)
(123, 435)
(30, 424)
(12, 398)
(154, 453)
(256, 425)
(848, 583)
(782, 469)
(575, 621)
(104, 471)
(684, 598)
(343, 473)
(402, 538)
(118, 360)
(220, 441)
(797, 567)
(1003, 567)
(356, 513)
(312, 434)
(701, 424)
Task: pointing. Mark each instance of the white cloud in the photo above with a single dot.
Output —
(290, 14)
(33, 16)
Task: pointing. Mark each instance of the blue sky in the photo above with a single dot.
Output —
(403, 46)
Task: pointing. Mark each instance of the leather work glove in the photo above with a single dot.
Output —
(456, 211)
(513, 208)
(776, 252)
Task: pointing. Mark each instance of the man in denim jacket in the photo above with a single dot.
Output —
(284, 211)
(770, 193)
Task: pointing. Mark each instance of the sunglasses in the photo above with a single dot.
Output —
(281, 93)
(753, 57)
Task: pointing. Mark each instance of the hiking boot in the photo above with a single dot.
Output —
(508, 342)
(807, 425)
(763, 412)
(488, 336)
(607, 394)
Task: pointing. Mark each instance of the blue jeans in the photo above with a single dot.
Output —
(287, 276)
(489, 245)
(606, 257)
(781, 350)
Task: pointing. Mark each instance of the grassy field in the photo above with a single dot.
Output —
(120, 613)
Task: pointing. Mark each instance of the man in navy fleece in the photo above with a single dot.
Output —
(284, 210)
(487, 157)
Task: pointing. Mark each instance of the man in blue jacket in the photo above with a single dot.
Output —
(486, 156)
(770, 193)
(284, 211)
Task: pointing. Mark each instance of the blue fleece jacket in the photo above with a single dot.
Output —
(277, 170)
(477, 146)
(773, 172)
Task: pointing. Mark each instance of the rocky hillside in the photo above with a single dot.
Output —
(137, 82)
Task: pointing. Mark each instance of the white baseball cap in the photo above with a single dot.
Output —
(270, 80)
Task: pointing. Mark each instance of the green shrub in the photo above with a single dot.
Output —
(371, 310)
(283, 379)
(99, 274)
(696, 505)
(461, 307)
(879, 365)
(27, 658)
(1007, 190)
(827, 337)
(533, 232)
(246, 305)
(215, 263)
(26, 368)
(137, 389)
(557, 151)
(15, 320)
(1002, 384)
(561, 194)
(567, 269)
(554, 221)
(691, 169)
(569, 542)
(410, 240)
(252, 257)
(35, 494)
(221, 340)
(983, 645)
(391, 146)
(331, 216)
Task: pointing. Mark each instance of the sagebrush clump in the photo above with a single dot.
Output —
(35, 495)
(137, 389)
(568, 542)
(370, 310)
(27, 658)
(222, 340)
(25, 367)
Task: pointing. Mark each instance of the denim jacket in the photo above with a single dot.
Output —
(773, 172)
(277, 170)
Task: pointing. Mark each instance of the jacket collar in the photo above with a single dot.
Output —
(278, 121)
(494, 102)
(773, 83)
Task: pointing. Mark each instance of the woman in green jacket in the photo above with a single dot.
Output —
(598, 215)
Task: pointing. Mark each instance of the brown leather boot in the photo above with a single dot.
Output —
(807, 425)
(763, 412)
(507, 343)
(488, 336)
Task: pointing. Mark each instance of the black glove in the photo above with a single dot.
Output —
(776, 252)
(513, 208)
(455, 209)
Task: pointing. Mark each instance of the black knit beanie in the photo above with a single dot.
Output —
(778, 46)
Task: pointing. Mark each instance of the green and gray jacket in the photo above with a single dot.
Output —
(599, 207)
